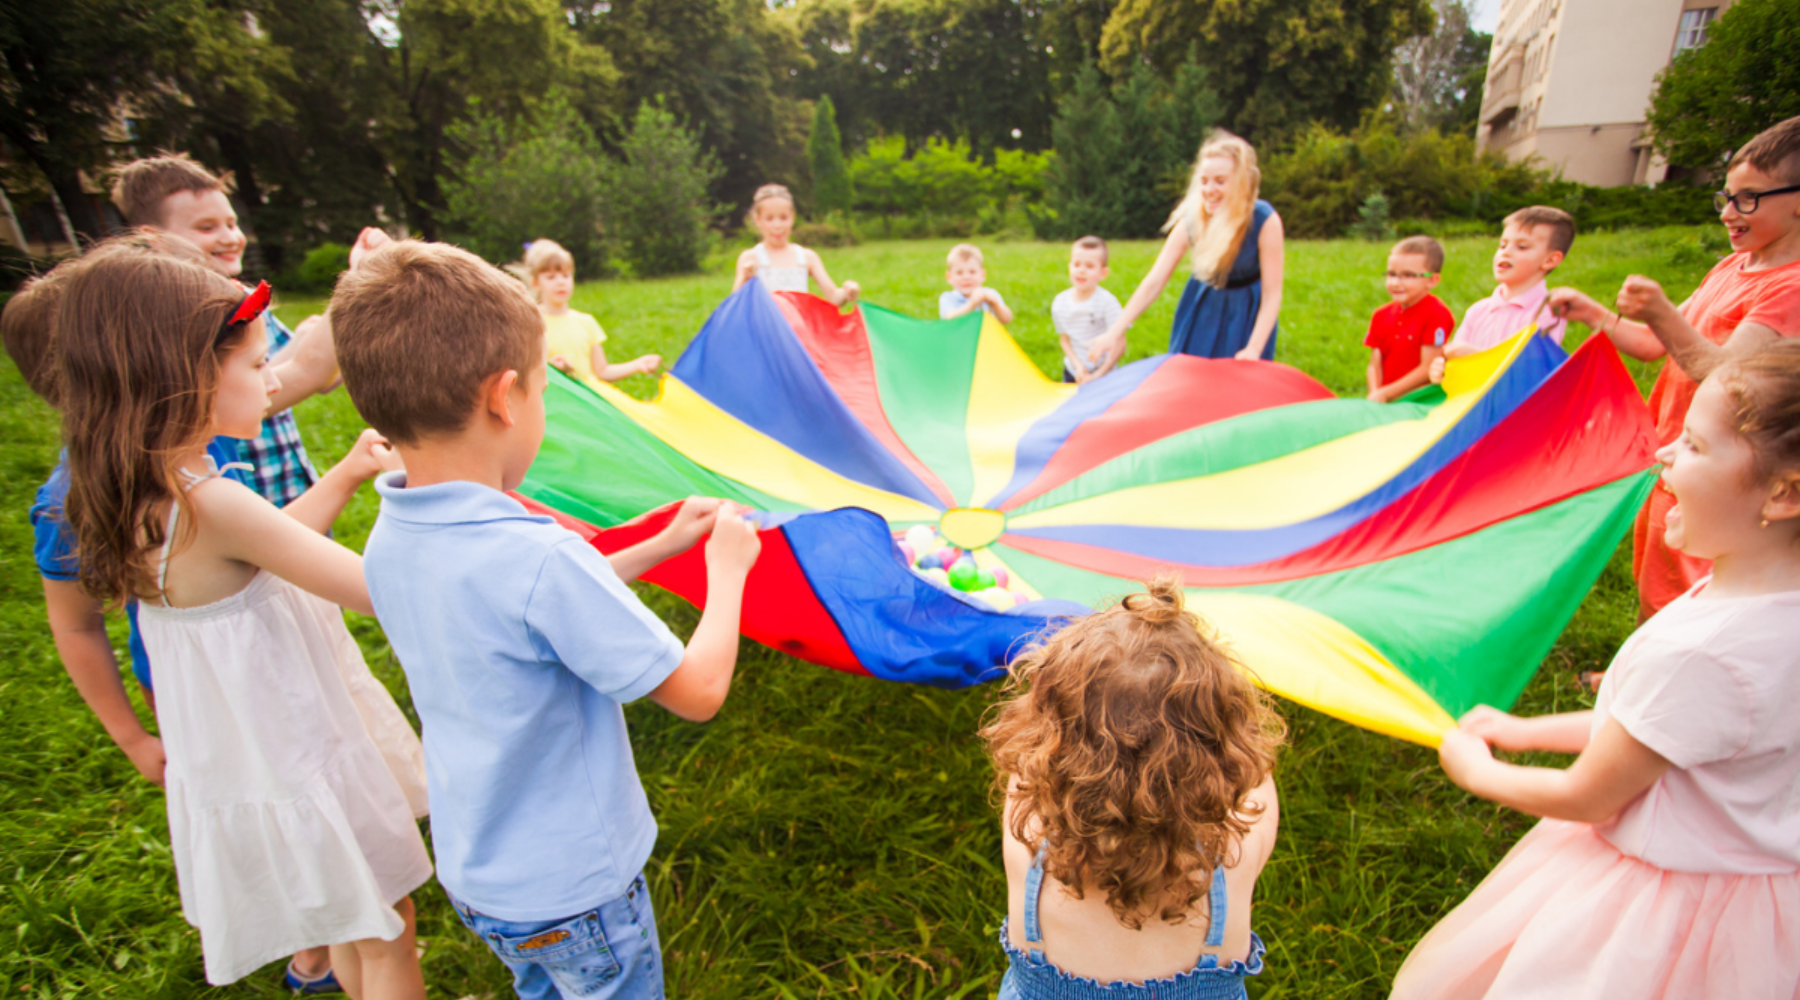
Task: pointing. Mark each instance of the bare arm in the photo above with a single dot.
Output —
(1634, 340)
(78, 626)
(746, 269)
(1372, 374)
(608, 372)
(697, 688)
(1259, 843)
(837, 296)
(1001, 312)
(968, 306)
(691, 522)
(1643, 300)
(1111, 344)
(1271, 249)
(1565, 732)
(1612, 772)
(306, 366)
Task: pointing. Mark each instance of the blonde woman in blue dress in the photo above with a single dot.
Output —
(785, 266)
(1232, 300)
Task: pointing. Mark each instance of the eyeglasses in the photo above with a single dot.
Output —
(1403, 275)
(1752, 198)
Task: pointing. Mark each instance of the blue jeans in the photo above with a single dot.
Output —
(608, 953)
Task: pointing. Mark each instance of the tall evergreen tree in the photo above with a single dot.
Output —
(1089, 145)
(831, 189)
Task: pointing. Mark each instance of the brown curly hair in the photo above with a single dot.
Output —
(1130, 740)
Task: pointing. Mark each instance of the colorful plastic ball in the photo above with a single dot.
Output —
(946, 556)
(1019, 598)
(930, 560)
(938, 576)
(995, 598)
(984, 580)
(906, 553)
(966, 560)
(1000, 577)
(920, 537)
(963, 577)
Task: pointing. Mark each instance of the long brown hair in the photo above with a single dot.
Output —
(1130, 740)
(139, 349)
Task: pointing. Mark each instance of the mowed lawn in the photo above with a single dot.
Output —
(826, 835)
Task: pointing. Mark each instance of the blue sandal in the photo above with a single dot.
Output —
(325, 983)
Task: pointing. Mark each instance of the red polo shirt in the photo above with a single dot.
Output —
(1400, 334)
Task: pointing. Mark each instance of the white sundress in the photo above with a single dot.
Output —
(293, 780)
(782, 279)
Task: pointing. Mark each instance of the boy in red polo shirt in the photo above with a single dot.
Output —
(1409, 333)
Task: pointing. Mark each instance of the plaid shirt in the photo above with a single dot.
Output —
(282, 470)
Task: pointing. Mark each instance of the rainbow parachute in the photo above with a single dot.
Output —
(1391, 565)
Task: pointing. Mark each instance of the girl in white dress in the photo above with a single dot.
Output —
(293, 780)
(784, 266)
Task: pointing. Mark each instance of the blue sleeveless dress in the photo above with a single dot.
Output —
(1215, 322)
(1031, 976)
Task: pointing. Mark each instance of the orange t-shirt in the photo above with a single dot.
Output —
(1728, 298)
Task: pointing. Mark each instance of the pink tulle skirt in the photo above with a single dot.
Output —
(1565, 915)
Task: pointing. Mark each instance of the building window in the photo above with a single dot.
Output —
(1694, 24)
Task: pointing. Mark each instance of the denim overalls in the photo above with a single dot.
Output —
(1031, 976)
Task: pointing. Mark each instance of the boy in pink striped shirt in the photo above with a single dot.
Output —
(1533, 243)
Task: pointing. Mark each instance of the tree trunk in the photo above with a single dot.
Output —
(65, 184)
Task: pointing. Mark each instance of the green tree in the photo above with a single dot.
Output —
(831, 188)
(532, 176)
(1090, 143)
(1277, 64)
(722, 66)
(657, 207)
(1715, 98)
(67, 70)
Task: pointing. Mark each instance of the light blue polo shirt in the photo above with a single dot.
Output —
(520, 644)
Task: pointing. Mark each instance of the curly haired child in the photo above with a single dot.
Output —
(1137, 766)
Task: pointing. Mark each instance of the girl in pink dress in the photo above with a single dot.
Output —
(1668, 861)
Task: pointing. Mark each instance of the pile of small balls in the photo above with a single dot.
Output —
(928, 554)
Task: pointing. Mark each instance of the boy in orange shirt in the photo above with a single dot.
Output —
(1744, 304)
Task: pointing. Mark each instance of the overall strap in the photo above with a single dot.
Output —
(1215, 932)
(1034, 885)
(762, 256)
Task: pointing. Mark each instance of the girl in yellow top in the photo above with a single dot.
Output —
(574, 338)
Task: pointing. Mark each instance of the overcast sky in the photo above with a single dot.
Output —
(1486, 13)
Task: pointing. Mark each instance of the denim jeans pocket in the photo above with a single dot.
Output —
(573, 953)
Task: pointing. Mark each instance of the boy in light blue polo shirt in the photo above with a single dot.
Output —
(520, 642)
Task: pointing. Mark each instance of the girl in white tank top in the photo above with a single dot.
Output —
(783, 266)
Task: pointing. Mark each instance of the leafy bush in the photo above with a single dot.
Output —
(656, 202)
(1372, 218)
(533, 176)
(836, 231)
(1323, 183)
(941, 190)
(318, 271)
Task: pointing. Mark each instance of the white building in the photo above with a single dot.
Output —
(1569, 81)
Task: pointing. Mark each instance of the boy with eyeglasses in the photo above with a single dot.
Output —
(1745, 303)
(1409, 333)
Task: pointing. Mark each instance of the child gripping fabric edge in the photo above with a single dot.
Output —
(287, 763)
(785, 266)
(1668, 859)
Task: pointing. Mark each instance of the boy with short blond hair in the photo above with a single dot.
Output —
(1533, 243)
(1409, 333)
(520, 642)
(172, 193)
(1084, 310)
(968, 292)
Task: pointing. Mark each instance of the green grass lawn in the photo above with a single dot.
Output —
(827, 834)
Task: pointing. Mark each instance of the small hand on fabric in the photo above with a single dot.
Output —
(1463, 754)
(734, 545)
(690, 524)
(370, 456)
(1643, 300)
